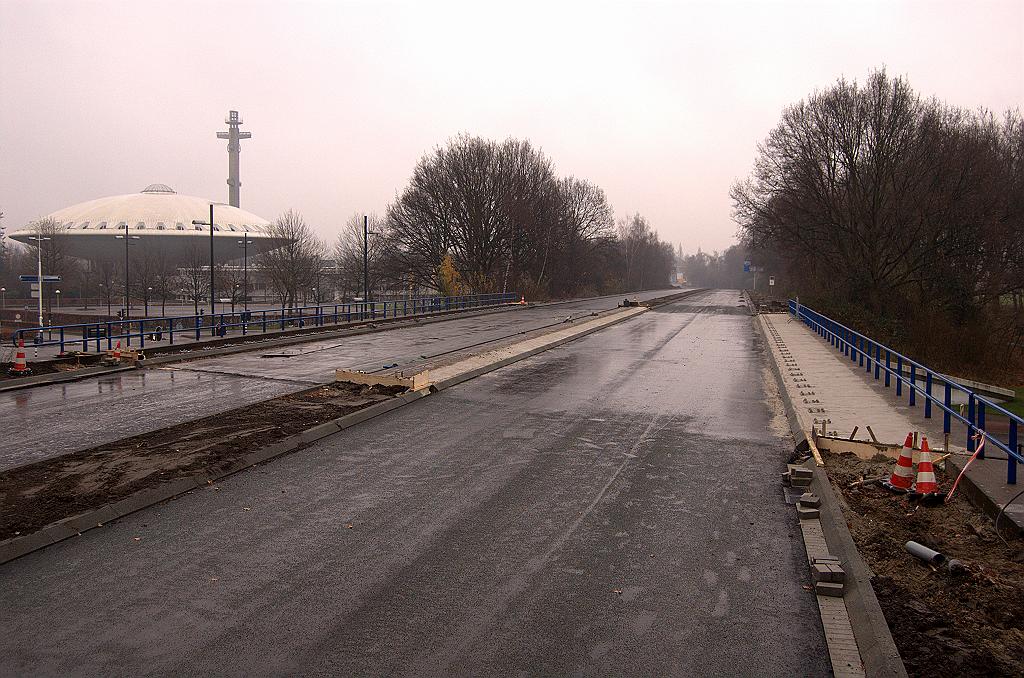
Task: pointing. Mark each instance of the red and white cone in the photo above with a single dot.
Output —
(903, 473)
(20, 367)
(522, 301)
(117, 352)
(926, 485)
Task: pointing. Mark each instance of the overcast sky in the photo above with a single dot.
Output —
(661, 104)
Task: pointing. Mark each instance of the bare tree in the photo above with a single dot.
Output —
(293, 267)
(194, 276)
(901, 206)
(348, 252)
(498, 215)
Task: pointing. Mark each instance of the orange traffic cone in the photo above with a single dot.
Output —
(903, 472)
(19, 368)
(926, 485)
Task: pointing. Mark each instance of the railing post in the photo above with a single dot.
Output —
(1011, 462)
(110, 330)
(860, 354)
(913, 382)
(899, 375)
(170, 332)
(878, 357)
(61, 338)
(928, 396)
(981, 425)
(947, 418)
(198, 328)
(888, 367)
(142, 334)
(970, 423)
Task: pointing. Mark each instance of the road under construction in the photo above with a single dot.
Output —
(608, 504)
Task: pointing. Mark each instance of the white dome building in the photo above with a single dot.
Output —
(162, 220)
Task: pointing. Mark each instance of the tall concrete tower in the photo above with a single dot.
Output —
(233, 135)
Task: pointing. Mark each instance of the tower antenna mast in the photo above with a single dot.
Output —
(234, 136)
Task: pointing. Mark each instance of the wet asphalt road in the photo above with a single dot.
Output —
(609, 507)
(48, 421)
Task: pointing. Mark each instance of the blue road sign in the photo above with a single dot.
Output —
(35, 278)
(746, 267)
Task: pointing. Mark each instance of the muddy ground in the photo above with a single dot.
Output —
(963, 624)
(36, 495)
(72, 362)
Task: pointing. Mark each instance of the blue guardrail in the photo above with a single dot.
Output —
(883, 361)
(164, 328)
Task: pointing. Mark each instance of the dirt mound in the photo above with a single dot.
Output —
(967, 623)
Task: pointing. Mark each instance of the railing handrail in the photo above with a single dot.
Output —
(275, 309)
(403, 307)
(844, 336)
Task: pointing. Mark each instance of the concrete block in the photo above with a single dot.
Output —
(828, 588)
(810, 500)
(828, 572)
(800, 471)
(800, 481)
(786, 479)
(807, 513)
(820, 573)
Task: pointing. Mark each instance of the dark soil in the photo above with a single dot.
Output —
(72, 361)
(39, 494)
(965, 624)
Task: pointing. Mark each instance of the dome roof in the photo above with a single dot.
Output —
(156, 207)
(160, 217)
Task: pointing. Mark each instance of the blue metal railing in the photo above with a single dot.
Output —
(864, 351)
(221, 324)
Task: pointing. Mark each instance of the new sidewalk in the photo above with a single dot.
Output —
(824, 385)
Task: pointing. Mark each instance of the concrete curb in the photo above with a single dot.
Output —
(874, 639)
(61, 377)
(76, 525)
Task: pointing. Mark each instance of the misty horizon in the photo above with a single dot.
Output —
(660, 105)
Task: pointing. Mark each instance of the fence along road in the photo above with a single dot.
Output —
(609, 506)
(47, 421)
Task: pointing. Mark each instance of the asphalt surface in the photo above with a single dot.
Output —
(609, 507)
(48, 421)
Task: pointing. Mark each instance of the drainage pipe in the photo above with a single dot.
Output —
(924, 553)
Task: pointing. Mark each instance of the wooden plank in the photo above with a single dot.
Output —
(416, 382)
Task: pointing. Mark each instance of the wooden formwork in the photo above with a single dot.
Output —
(415, 382)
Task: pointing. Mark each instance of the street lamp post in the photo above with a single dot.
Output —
(244, 242)
(366, 258)
(127, 294)
(146, 300)
(213, 308)
(58, 299)
(3, 307)
(38, 237)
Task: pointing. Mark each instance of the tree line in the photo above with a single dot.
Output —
(900, 213)
(476, 216)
